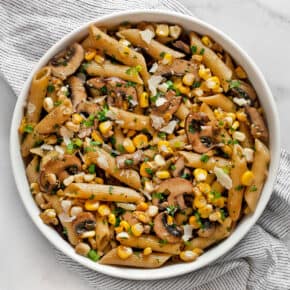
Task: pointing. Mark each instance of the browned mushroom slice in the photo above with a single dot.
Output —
(67, 62)
(171, 233)
(129, 160)
(55, 171)
(178, 67)
(258, 127)
(200, 132)
(130, 218)
(179, 44)
(243, 90)
(87, 108)
(179, 166)
(84, 222)
(78, 91)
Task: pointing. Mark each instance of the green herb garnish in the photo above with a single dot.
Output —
(92, 168)
(193, 49)
(50, 88)
(94, 256)
(128, 162)
(204, 158)
(28, 129)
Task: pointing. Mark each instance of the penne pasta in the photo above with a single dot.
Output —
(137, 260)
(102, 233)
(32, 170)
(182, 112)
(208, 111)
(219, 101)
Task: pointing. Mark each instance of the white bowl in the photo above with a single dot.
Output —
(266, 100)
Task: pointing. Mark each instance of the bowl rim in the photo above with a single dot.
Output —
(133, 273)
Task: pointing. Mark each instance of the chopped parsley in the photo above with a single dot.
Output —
(196, 84)
(162, 135)
(239, 187)
(198, 219)
(215, 194)
(130, 84)
(193, 49)
(92, 197)
(102, 114)
(185, 175)
(134, 70)
(163, 242)
(50, 88)
(170, 85)
(57, 103)
(253, 188)
(77, 142)
(94, 256)
(223, 215)
(70, 148)
(98, 36)
(89, 121)
(92, 168)
(204, 158)
(28, 129)
(111, 189)
(171, 209)
(191, 129)
(158, 195)
(120, 148)
(162, 54)
(202, 51)
(149, 171)
(234, 84)
(89, 149)
(113, 140)
(128, 161)
(64, 231)
(96, 143)
(172, 167)
(104, 90)
(118, 211)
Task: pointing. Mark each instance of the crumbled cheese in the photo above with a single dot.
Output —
(30, 108)
(102, 162)
(249, 154)
(66, 204)
(68, 180)
(65, 218)
(228, 120)
(147, 35)
(157, 122)
(240, 136)
(79, 177)
(154, 67)
(148, 186)
(75, 210)
(66, 134)
(160, 101)
(163, 87)
(122, 235)
(159, 160)
(99, 99)
(169, 128)
(126, 206)
(133, 102)
(241, 101)
(120, 122)
(59, 149)
(187, 232)
(223, 178)
(153, 83)
(152, 210)
(89, 177)
(46, 147)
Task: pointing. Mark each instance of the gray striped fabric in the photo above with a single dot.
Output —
(260, 261)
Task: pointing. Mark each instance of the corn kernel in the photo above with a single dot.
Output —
(170, 220)
(235, 125)
(152, 210)
(205, 211)
(164, 146)
(212, 83)
(142, 206)
(137, 229)
(219, 114)
(184, 90)
(241, 116)
(145, 169)
(204, 187)
(118, 229)
(99, 180)
(188, 79)
(77, 118)
(144, 100)
(125, 225)
(241, 74)
(48, 104)
(206, 41)
(99, 59)
(124, 252)
(147, 251)
(112, 219)
(142, 216)
(197, 57)
(219, 202)
(92, 205)
(200, 174)
(227, 149)
(90, 54)
(105, 127)
(167, 59)
(162, 30)
(140, 141)
(163, 174)
(97, 137)
(247, 178)
(188, 256)
(129, 145)
(204, 73)
(215, 216)
(231, 115)
(197, 251)
(199, 201)
(104, 210)
(194, 222)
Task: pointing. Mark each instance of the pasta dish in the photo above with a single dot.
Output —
(144, 144)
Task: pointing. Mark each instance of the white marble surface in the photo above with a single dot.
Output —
(261, 27)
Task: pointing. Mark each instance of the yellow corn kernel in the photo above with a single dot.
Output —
(241, 74)
(125, 225)
(197, 251)
(194, 222)
(184, 90)
(219, 202)
(99, 59)
(77, 118)
(212, 83)
(241, 116)
(162, 30)
(205, 211)
(147, 251)
(163, 174)
(235, 125)
(199, 201)
(97, 137)
(215, 216)
(99, 180)
(200, 174)
(170, 220)
(137, 229)
(144, 100)
(118, 230)
(188, 256)
(143, 206)
(197, 57)
(164, 146)
(219, 114)
(124, 252)
(204, 187)
(182, 124)
(145, 169)
(227, 149)
(231, 115)
(105, 127)
(204, 73)
(92, 205)
(177, 83)
(140, 141)
(90, 54)
(206, 41)
(188, 79)
(112, 219)
(104, 210)
(142, 217)
(167, 59)
(247, 178)
(129, 145)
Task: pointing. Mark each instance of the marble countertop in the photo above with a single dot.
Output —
(261, 27)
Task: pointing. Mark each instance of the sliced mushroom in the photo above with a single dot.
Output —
(84, 222)
(244, 90)
(207, 231)
(130, 218)
(170, 233)
(87, 108)
(56, 170)
(178, 67)
(95, 86)
(129, 160)
(258, 127)
(78, 91)
(67, 62)
(200, 132)
(179, 44)
(179, 166)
